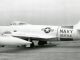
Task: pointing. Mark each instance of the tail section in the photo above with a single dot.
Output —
(77, 26)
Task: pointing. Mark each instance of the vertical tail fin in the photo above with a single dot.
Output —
(77, 26)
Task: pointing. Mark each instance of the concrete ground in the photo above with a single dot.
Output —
(64, 51)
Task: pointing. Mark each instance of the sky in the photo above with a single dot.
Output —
(41, 12)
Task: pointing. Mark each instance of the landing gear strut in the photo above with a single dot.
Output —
(32, 44)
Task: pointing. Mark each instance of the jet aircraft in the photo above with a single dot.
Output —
(22, 34)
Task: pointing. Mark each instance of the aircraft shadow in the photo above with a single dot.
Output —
(19, 49)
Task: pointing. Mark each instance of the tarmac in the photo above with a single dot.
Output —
(64, 51)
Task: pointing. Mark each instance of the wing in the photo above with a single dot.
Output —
(35, 36)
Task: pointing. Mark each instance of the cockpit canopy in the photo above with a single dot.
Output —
(18, 23)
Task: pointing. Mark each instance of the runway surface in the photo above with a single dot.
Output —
(48, 52)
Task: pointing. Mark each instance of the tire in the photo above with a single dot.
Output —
(41, 43)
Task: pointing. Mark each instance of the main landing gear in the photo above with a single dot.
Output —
(41, 43)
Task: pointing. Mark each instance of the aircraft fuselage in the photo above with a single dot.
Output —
(62, 33)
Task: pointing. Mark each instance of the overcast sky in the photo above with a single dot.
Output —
(50, 12)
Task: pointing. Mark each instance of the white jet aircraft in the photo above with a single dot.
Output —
(20, 33)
